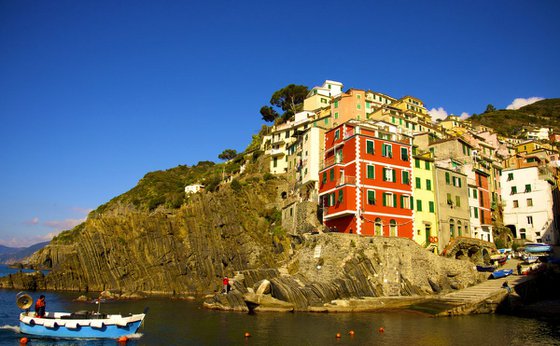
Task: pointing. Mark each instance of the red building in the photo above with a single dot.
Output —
(365, 180)
(484, 198)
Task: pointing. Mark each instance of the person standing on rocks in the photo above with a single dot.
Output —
(226, 285)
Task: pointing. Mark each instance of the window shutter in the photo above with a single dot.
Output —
(384, 199)
(395, 200)
(394, 176)
(447, 178)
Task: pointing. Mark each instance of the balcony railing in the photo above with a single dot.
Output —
(329, 161)
(347, 179)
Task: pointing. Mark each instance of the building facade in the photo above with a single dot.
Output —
(365, 181)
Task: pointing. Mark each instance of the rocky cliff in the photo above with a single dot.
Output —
(165, 250)
(332, 266)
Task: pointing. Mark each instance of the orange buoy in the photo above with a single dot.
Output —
(122, 340)
(247, 334)
(351, 333)
(381, 329)
(338, 335)
(23, 341)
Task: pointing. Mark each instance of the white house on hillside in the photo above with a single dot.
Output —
(528, 203)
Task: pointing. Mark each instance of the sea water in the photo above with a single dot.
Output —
(180, 322)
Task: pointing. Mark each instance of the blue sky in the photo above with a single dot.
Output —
(94, 94)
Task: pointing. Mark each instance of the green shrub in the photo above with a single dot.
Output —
(236, 185)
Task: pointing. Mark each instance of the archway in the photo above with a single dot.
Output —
(513, 230)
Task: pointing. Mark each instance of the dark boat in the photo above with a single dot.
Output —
(485, 268)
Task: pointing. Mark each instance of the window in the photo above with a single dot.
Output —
(387, 150)
(378, 227)
(324, 178)
(336, 115)
(275, 162)
(393, 227)
(449, 200)
(457, 201)
(475, 209)
(428, 185)
(405, 178)
(416, 163)
(427, 165)
(340, 196)
(405, 202)
(418, 183)
(510, 176)
(452, 228)
(331, 199)
(371, 197)
(389, 200)
(389, 174)
(475, 193)
(337, 134)
(418, 205)
(528, 188)
(431, 206)
(370, 171)
(332, 174)
(457, 181)
(336, 104)
(530, 220)
(529, 202)
(404, 154)
(513, 190)
(359, 106)
(369, 147)
(447, 178)
(323, 100)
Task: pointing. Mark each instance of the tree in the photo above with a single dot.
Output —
(268, 114)
(490, 108)
(228, 154)
(289, 99)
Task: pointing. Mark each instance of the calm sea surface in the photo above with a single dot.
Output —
(177, 322)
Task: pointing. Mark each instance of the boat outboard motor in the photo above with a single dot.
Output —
(24, 301)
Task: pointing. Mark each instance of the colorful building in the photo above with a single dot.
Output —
(365, 181)
(425, 211)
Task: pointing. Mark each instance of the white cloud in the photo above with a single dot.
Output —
(464, 115)
(438, 113)
(33, 221)
(520, 102)
(62, 225)
(28, 240)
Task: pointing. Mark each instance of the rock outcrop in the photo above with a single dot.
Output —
(333, 271)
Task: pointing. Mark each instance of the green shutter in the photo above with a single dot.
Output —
(431, 204)
(340, 196)
(371, 197)
(405, 177)
(332, 174)
(447, 178)
(416, 163)
(418, 183)
(428, 165)
(369, 147)
(370, 172)
(394, 175)
(384, 199)
(418, 205)
(395, 200)
(428, 184)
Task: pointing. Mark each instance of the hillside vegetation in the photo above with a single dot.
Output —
(545, 113)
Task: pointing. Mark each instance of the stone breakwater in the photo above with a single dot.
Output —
(340, 272)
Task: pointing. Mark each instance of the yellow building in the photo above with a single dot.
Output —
(425, 206)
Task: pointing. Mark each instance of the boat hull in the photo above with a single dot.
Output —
(111, 328)
(501, 273)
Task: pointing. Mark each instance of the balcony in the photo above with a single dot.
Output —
(332, 160)
(276, 152)
(347, 179)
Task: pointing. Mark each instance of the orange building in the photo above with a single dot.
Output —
(365, 180)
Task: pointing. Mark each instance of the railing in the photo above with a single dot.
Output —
(331, 161)
(347, 179)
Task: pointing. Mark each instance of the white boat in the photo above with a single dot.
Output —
(82, 324)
